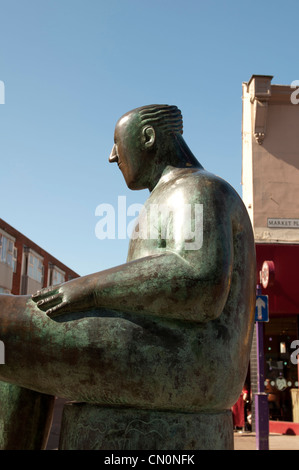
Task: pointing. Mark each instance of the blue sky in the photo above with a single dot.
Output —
(71, 68)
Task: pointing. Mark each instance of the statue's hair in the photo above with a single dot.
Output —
(168, 118)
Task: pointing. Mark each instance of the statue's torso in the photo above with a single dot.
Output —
(216, 351)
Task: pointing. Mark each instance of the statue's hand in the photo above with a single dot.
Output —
(63, 298)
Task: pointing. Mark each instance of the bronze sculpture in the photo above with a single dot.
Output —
(169, 331)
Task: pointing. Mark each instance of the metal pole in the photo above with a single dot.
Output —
(261, 398)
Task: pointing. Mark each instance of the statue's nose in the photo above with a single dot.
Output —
(113, 157)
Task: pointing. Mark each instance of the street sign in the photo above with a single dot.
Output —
(261, 308)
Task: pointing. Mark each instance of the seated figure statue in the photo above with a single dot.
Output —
(170, 330)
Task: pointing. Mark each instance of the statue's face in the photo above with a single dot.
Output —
(128, 152)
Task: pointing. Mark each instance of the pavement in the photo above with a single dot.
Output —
(242, 441)
(247, 441)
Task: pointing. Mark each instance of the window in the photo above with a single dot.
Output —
(4, 291)
(15, 256)
(7, 251)
(35, 268)
(58, 277)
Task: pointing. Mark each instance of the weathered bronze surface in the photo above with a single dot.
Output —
(25, 418)
(169, 330)
(92, 427)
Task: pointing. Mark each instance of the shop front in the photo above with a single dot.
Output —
(277, 268)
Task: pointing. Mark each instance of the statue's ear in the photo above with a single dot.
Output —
(149, 136)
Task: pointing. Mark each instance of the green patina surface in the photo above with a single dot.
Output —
(170, 329)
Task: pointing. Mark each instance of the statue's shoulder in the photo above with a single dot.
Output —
(201, 186)
(199, 179)
(196, 185)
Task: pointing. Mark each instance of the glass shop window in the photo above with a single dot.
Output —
(281, 370)
(35, 268)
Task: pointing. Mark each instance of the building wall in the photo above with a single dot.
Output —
(270, 174)
(15, 277)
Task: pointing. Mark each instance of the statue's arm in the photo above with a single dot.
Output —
(172, 283)
(156, 284)
(169, 285)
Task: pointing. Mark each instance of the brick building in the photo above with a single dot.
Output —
(25, 267)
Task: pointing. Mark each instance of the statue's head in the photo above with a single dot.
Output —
(142, 140)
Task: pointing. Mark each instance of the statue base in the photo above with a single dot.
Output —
(93, 427)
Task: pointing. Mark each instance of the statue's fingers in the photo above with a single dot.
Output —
(36, 295)
(49, 300)
(42, 293)
(55, 311)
